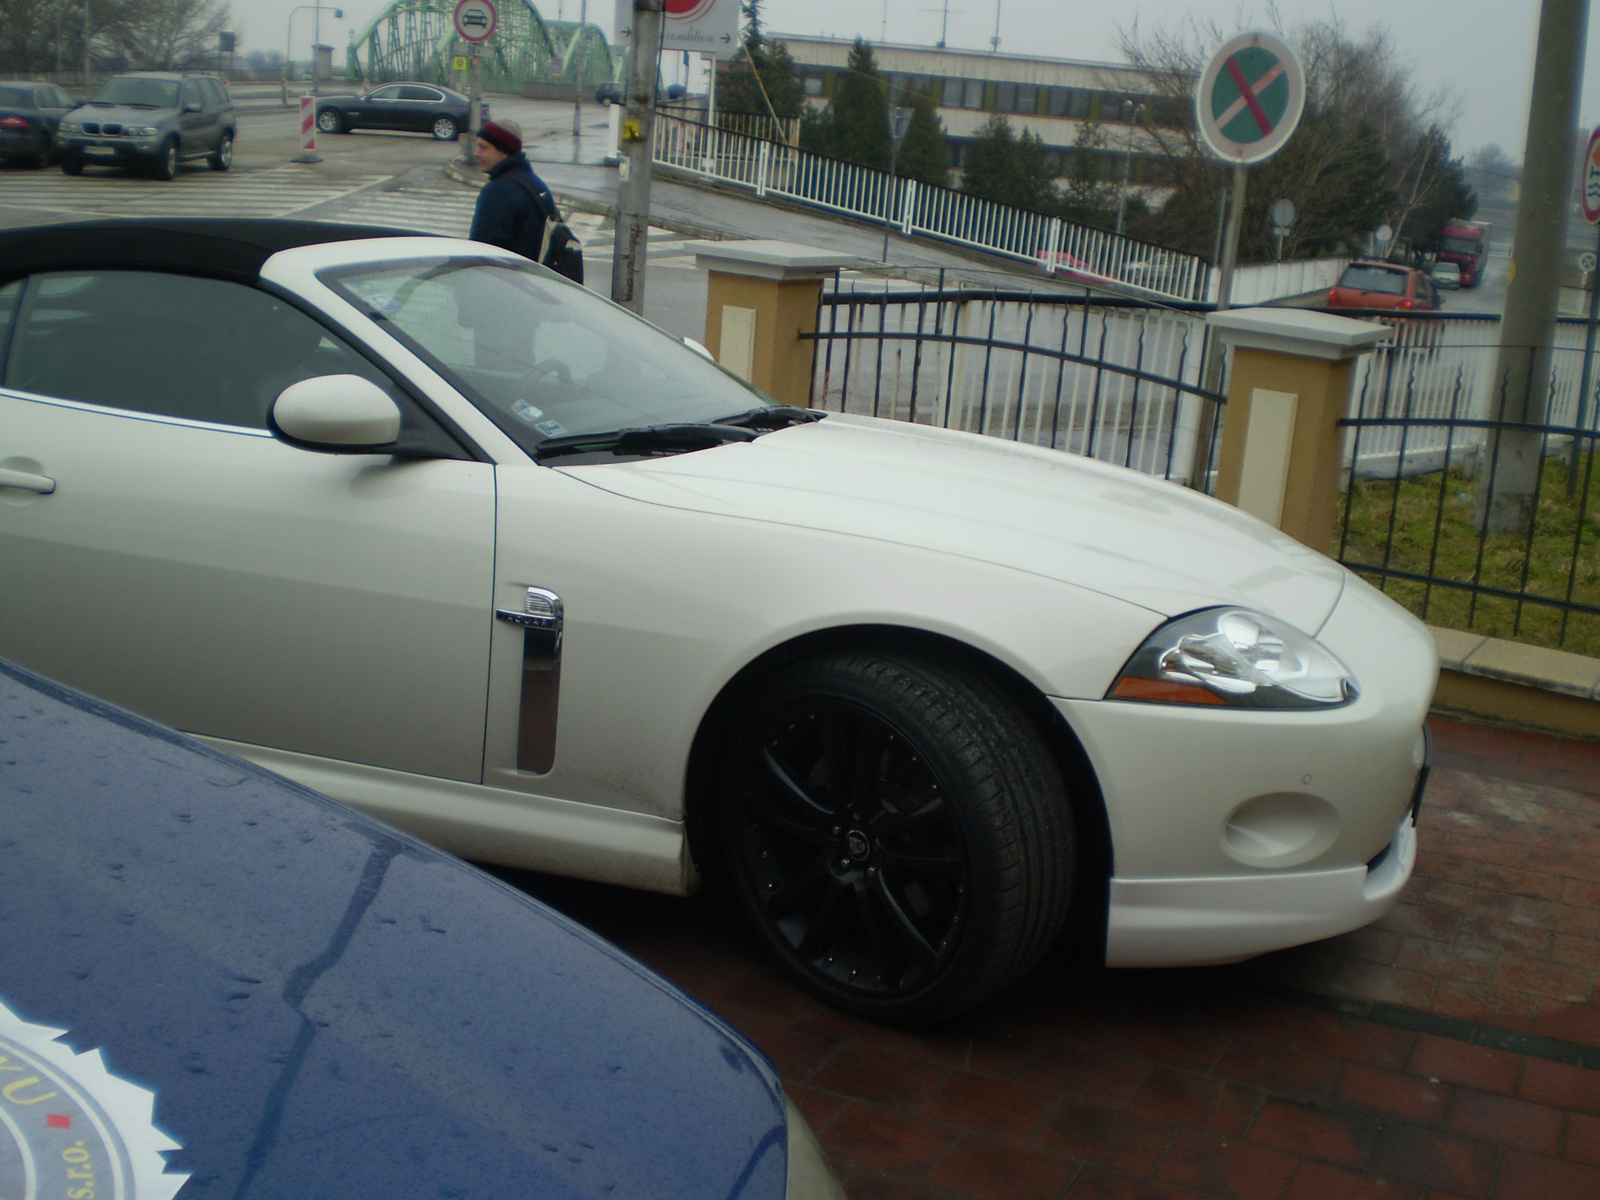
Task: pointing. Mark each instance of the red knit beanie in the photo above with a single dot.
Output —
(501, 138)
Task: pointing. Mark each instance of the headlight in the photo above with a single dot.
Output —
(141, 131)
(1234, 658)
(809, 1177)
(70, 127)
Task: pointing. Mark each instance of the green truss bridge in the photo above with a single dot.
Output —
(416, 39)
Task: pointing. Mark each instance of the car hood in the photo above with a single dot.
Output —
(1063, 516)
(121, 114)
(280, 997)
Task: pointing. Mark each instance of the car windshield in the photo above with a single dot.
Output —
(1374, 279)
(542, 356)
(138, 93)
(1460, 245)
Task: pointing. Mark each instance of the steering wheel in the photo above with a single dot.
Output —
(550, 366)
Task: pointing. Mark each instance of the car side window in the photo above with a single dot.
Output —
(191, 94)
(213, 93)
(9, 295)
(392, 92)
(418, 93)
(61, 99)
(169, 345)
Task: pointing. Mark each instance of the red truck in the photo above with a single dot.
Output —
(1465, 243)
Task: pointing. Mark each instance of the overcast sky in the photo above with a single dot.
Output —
(1483, 49)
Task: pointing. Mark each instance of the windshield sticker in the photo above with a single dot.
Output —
(71, 1129)
(384, 302)
(527, 412)
(551, 428)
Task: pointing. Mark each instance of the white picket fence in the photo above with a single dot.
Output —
(1071, 251)
(1258, 283)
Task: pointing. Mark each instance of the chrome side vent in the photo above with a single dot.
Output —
(541, 619)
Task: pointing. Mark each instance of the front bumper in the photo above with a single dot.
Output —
(1201, 922)
(1236, 832)
(110, 150)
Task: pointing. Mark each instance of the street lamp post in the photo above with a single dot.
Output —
(288, 42)
(577, 95)
(1127, 162)
(899, 122)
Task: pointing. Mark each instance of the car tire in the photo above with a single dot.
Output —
(166, 165)
(897, 831)
(330, 120)
(72, 166)
(222, 158)
(445, 129)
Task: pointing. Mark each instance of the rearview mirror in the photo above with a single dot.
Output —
(336, 412)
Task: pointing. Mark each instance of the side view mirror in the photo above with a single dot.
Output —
(340, 413)
(194, 106)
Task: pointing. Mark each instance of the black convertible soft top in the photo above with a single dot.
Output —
(230, 248)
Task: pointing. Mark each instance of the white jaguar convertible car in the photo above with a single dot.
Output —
(437, 533)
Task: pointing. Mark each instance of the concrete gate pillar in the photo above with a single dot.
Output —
(761, 301)
(1289, 388)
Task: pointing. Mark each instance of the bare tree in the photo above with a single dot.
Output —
(165, 35)
(1368, 149)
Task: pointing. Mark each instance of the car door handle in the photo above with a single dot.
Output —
(27, 481)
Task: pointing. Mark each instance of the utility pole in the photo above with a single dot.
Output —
(577, 92)
(994, 42)
(1127, 163)
(1512, 458)
(85, 43)
(635, 156)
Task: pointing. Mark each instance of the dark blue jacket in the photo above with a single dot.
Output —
(507, 216)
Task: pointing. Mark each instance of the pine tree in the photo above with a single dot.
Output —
(855, 126)
(737, 90)
(1003, 166)
(924, 154)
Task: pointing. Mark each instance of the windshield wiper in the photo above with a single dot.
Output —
(773, 416)
(644, 441)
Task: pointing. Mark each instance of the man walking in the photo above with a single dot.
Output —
(513, 205)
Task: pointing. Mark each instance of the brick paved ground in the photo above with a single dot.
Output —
(1452, 1050)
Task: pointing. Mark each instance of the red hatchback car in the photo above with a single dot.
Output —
(1383, 285)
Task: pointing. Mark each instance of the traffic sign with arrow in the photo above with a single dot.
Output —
(706, 26)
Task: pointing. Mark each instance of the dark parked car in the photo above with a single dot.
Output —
(29, 115)
(151, 119)
(223, 984)
(412, 107)
(611, 92)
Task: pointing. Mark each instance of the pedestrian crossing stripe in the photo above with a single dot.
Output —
(276, 192)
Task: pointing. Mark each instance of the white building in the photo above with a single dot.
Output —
(1050, 97)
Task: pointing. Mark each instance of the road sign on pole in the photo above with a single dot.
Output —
(1591, 179)
(1249, 99)
(707, 26)
(476, 20)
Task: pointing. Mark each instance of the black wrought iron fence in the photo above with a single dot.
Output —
(1470, 493)
(1113, 379)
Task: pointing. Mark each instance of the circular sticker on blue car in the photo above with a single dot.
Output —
(69, 1129)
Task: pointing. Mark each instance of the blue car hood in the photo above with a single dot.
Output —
(322, 1007)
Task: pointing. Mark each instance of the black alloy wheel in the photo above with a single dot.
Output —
(166, 166)
(898, 833)
(445, 129)
(329, 121)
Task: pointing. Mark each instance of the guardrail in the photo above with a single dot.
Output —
(1065, 249)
